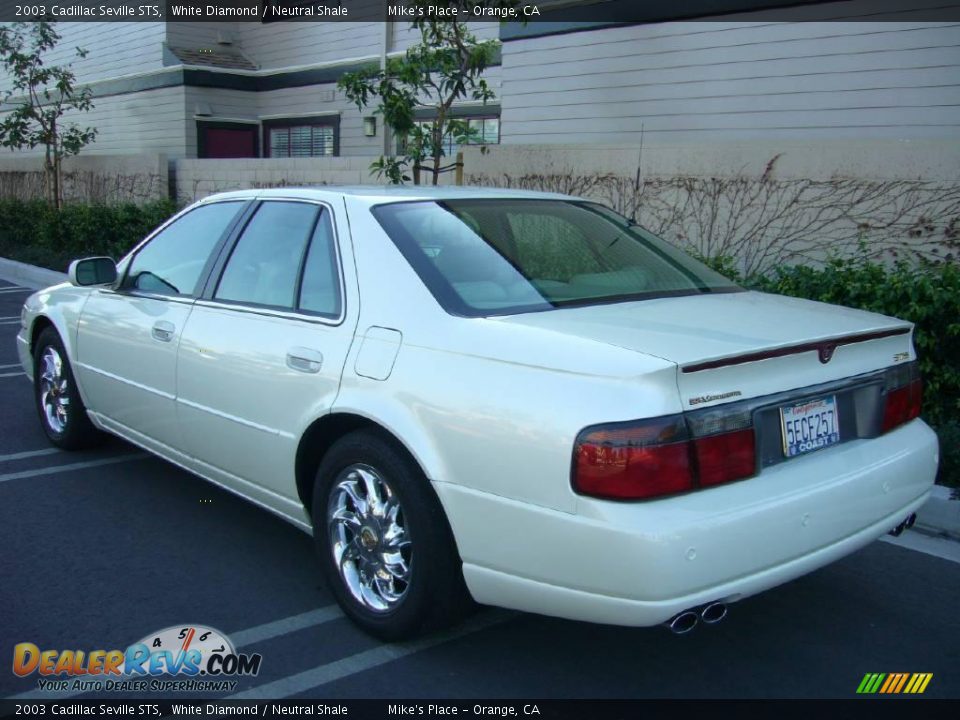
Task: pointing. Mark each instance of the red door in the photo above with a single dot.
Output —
(223, 141)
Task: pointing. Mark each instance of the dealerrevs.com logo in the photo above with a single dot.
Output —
(187, 658)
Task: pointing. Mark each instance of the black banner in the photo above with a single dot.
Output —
(489, 709)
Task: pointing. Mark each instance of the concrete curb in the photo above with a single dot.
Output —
(29, 276)
(939, 516)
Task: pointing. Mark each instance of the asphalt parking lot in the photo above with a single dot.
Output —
(101, 548)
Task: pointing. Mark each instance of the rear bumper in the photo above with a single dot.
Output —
(641, 563)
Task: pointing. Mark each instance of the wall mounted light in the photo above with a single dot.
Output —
(370, 126)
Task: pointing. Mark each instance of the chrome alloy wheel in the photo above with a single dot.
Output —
(54, 391)
(370, 544)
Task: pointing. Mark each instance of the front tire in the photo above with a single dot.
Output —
(62, 413)
(384, 543)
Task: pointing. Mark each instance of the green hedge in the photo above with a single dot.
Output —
(33, 232)
(927, 295)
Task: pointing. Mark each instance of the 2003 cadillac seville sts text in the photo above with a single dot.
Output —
(514, 397)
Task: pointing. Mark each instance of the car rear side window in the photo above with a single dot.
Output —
(264, 266)
(320, 290)
(172, 262)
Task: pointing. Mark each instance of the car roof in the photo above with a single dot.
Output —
(375, 194)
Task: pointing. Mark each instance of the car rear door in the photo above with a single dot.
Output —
(128, 335)
(264, 348)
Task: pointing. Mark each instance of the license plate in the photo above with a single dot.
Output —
(810, 426)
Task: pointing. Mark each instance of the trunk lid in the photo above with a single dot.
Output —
(739, 345)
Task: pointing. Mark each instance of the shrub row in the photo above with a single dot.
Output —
(33, 232)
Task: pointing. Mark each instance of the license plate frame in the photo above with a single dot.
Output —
(809, 426)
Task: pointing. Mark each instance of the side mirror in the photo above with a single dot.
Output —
(92, 271)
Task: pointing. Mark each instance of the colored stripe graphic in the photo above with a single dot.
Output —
(894, 683)
(918, 683)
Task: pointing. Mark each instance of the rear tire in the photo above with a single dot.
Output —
(63, 415)
(384, 543)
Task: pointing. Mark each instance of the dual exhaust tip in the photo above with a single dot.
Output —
(905, 525)
(686, 621)
(712, 613)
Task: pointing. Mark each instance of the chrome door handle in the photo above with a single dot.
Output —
(304, 359)
(163, 331)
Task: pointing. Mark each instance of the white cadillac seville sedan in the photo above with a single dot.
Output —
(519, 398)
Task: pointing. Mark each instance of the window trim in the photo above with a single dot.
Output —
(122, 287)
(311, 120)
(203, 125)
(212, 279)
(463, 111)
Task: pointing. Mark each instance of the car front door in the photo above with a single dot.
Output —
(264, 348)
(128, 335)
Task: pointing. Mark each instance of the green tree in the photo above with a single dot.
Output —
(40, 95)
(446, 66)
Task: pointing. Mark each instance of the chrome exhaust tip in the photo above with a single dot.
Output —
(713, 613)
(905, 525)
(682, 623)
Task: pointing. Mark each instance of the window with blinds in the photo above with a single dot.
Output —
(302, 141)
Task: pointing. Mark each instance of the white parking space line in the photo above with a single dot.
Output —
(327, 673)
(11, 290)
(57, 469)
(10, 317)
(241, 638)
(29, 454)
(287, 625)
(13, 374)
(10, 365)
(11, 321)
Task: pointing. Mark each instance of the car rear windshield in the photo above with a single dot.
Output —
(505, 256)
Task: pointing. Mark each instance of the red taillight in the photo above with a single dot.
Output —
(903, 404)
(663, 456)
(646, 459)
(722, 458)
(703, 448)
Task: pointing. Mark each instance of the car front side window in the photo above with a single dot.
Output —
(173, 261)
